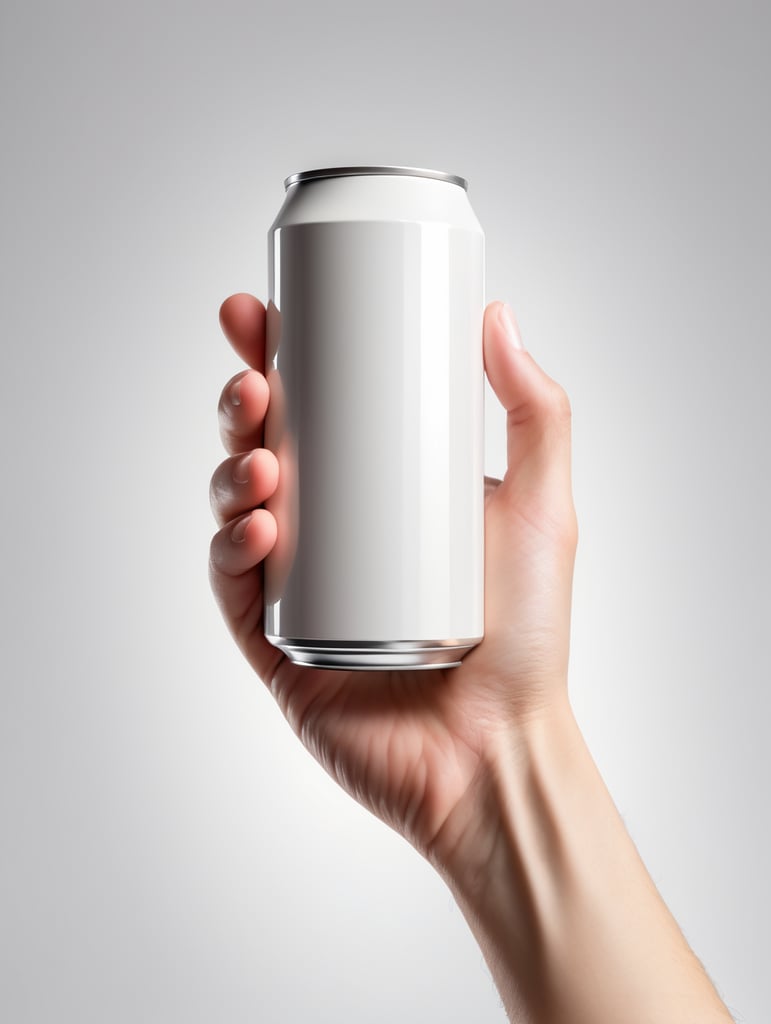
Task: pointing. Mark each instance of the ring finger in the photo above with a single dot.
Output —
(242, 482)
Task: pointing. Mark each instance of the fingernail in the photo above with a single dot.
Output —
(235, 392)
(238, 533)
(509, 324)
(241, 469)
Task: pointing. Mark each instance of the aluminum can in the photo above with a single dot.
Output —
(376, 416)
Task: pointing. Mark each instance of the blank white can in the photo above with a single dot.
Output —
(376, 415)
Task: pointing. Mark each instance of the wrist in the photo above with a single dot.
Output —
(497, 851)
(505, 786)
(570, 923)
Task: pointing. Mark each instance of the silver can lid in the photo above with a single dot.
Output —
(343, 172)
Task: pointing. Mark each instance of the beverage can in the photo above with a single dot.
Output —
(376, 416)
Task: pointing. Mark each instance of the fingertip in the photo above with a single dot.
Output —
(503, 366)
(249, 392)
(258, 530)
(261, 534)
(522, 386)
(508, 322)
(501, 326)
(266, 528)
(247, 387)
(242, 319)
(239, 307)
(239, 547)
(268, 466)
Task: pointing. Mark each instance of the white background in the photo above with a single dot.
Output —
(169, 852)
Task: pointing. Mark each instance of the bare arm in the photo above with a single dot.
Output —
(549, 880)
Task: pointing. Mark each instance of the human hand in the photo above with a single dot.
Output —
(481, 767)
(413, 746)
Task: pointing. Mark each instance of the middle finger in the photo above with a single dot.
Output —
(241, 411)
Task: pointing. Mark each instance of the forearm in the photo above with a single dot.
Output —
(570, 923)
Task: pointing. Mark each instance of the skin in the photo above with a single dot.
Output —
(481, 768)
(408, 744)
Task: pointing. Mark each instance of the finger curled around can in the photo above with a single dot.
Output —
(242, 482)
(242, 318)
(241, 411)
(241, 545)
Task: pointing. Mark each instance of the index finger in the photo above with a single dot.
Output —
(242, 318)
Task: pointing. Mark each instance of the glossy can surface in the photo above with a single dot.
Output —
(374, 359)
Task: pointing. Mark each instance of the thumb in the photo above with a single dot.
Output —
(538, 415)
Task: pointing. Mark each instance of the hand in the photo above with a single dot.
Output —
(482, 767)
(411, 746)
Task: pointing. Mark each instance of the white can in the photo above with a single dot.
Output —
(376, 415)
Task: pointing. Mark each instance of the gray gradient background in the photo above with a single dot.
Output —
(169, 851)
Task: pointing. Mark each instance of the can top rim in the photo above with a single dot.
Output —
(340, 172)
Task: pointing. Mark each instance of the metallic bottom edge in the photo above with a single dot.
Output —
(399, 654)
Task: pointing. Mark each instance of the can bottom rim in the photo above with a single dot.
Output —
(400, 655)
